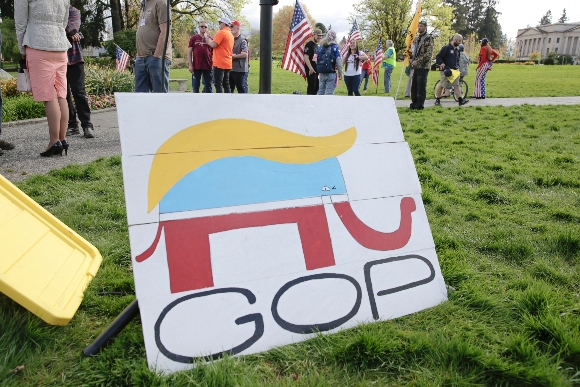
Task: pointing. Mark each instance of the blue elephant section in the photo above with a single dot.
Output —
(236, 181)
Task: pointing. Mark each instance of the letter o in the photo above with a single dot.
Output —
(312, 328)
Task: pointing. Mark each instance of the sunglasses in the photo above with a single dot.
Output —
(202, 26)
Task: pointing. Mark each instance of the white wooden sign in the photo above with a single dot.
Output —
(257, 220)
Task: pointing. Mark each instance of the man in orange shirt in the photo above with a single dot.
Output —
(222, 44)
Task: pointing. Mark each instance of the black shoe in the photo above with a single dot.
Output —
(463, 101)
(437, 102)
(72, 130)
(412, 107)
(88, 132)
(56, 149)
(5, 145)
(65, 147)
(1, 152)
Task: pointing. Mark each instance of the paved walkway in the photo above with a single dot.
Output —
(31, 137)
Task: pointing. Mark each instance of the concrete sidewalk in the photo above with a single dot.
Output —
(31, 137)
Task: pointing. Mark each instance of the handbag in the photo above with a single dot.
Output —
(23, 79)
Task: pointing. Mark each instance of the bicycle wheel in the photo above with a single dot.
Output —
(435, 88)
(464, 89)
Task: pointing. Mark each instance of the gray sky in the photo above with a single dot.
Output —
(515, 13)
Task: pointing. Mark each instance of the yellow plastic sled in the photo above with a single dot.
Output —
(44, 265)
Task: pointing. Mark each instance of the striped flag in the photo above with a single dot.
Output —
(411, 33)
(378, 61)
(353, 35)
(300, 32)
(122, 58)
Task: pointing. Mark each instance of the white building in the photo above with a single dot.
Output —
(559, 37)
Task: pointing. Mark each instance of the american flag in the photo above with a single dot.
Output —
(378, 61)
(353, 35)
(122, 58)
(300, 32)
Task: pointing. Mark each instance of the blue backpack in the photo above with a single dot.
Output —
(325, 60)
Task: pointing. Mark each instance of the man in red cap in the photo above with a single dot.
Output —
(239, 58)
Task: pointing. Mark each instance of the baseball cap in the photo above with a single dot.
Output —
(447, 72)
(317, 31)
(224, 20)
(236, 23)
(424, 22)
(461, 47)
(484, 40)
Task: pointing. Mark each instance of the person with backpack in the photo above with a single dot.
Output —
(328, 62)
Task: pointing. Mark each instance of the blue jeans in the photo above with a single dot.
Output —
(364, 75)
(200, 76)
(388, 72)
(148, 75)
(352, 83)
(246, 87)
(327, 84)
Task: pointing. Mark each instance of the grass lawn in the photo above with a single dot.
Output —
(502, 191)
(504, 81)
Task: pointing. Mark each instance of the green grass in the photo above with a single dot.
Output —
(501, 189)
(504, 81)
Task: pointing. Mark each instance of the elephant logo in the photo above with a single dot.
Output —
(228, 163)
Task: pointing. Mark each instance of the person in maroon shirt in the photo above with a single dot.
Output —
(199, 58)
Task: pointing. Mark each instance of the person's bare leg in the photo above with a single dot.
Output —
(457, 91)
(439, 91)
(63, 118)
(53, 116)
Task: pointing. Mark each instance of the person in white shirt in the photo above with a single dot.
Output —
(353, 59)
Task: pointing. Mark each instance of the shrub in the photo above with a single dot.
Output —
(107, 81)
(101, 62)
(535, 56)
(126, 39)
(22, 107)
(9, 88)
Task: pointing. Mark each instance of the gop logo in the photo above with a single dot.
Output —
(263, 223)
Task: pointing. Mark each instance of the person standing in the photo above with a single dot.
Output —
(463, 62)
(310, 50)
(151, 30)
(365, 71)
(222, 45)
(75, 76)
(486, 57)
(421, 63)
(4, 145)
(328, 62)
(352, 68)
(199, 55)
(239, 58)
(40, 31)
(448, 59)
(389, 64)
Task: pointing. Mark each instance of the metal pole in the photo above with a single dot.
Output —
(113, 329)
(266, 45)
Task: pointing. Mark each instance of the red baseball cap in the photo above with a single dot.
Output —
(236, 23)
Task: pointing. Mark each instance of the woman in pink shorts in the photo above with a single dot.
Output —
(40, 30)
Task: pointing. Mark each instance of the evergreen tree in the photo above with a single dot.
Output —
(320, 26)
(489, 27)
(546, 19)
(564, 17)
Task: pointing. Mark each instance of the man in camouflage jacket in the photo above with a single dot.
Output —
(421, 63)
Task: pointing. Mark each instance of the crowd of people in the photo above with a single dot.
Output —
(451, 61)
(49, 41)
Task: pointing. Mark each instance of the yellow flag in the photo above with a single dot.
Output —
(412, 33)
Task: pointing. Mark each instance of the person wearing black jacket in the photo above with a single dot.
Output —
(447, 60)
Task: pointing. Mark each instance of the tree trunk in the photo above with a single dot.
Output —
(116, 16)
